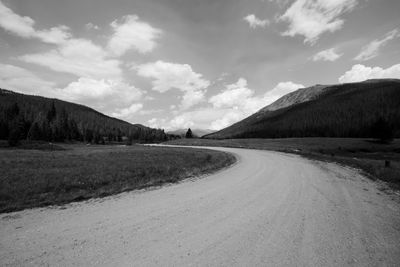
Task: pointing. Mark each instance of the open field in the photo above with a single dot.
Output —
(32, 178)
(366, 155)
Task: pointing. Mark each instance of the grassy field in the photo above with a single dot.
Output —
(366, 155)
(33, 178)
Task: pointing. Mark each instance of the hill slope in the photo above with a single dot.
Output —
(344, 110)
(40, 118)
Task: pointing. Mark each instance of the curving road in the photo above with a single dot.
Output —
(269, 209)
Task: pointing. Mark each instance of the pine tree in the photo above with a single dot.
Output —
(51, 114)
(34, 132)
(189, 133)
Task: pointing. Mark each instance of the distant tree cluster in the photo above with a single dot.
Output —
(189, 133)
(36, 118)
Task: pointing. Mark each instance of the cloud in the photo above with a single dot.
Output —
(127, 113)
(234, 103)
(255, 22)
(106, 95)
(21, 80)
(311, 18)
(239, 101)
(327, 55)
(167, 76)
(23, 26)
(371, 50)
(200, 118)
(235, 94)
(132, 33)
(91, 26)
(80, 57)
(280, 90)
(113, 97)
(191, 98)
(100, 82)
(360, 73)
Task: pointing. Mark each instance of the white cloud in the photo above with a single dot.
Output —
(255, 22)
(280, 90)
(107, 96)
(113, 97)
(327, 55)
(154, 123)
(127, 113)
(167, 76)
(360, 73)
(239, 101)
(311, 18)
(23, 26)
(234, 103)
(235, 94)
(200, 118)
(191, 98)
(100, 84)
(21, 80)
(132, 33)
(80, 57)
(371, 50)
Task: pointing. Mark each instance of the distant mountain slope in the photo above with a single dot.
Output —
(343, 110)
(41, 118)
(296, 97)
(196, 132)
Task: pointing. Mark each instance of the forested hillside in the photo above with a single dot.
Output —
(39, 118)
(365, 109)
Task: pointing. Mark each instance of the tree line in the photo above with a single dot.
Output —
(57, 121)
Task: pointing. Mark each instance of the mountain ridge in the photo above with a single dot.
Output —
(272, 120)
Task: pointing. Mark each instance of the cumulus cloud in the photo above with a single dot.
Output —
(233, 95)
(327, 55)
(106, 95)
(23, 26)
(255, 22)
(100, 83)
(360, 73)
(167, 76)
(311, 18)
(239, 101)
(234, 103)
(132, 33)
(22, 80)
(113, 97)
(371, 50)
(80, 57)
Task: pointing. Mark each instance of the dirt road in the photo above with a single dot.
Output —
(269, 209)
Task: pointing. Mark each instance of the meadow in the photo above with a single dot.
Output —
(33, 178)
(366, 154)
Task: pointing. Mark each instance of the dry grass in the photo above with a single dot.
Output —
(32, 178)
(366, 155)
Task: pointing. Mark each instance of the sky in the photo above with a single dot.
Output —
(204, 64)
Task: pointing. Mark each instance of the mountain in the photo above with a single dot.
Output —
(344, 110)
(39, 118)
(196, 132)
